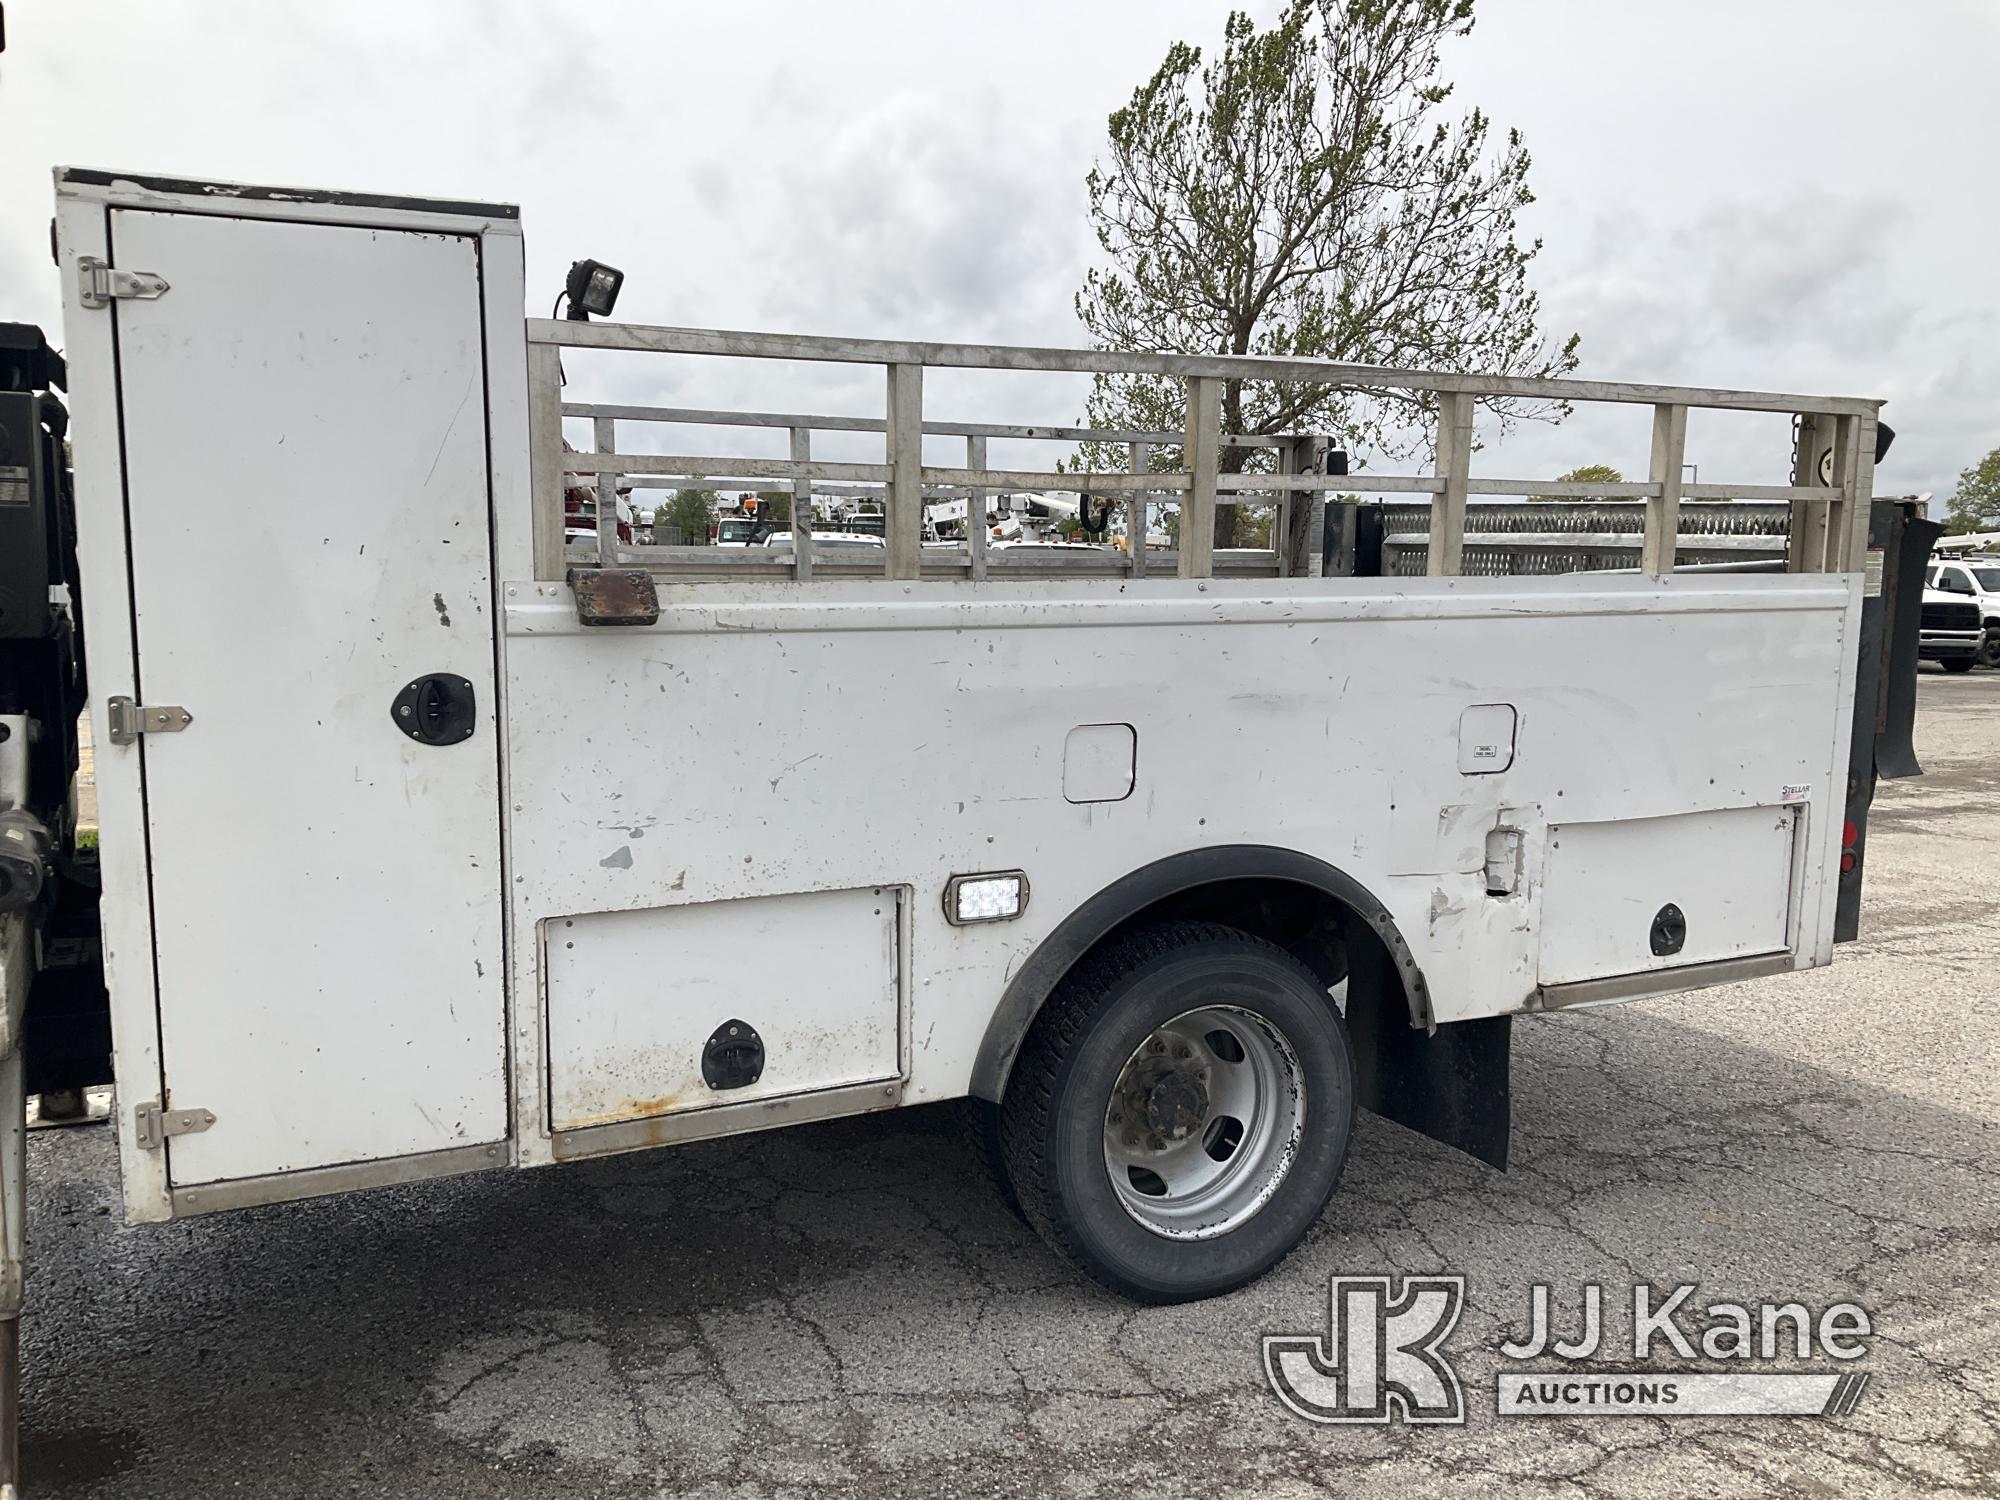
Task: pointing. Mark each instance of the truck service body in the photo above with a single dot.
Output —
(393, 885)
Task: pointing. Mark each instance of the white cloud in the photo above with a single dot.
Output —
(1734, 195)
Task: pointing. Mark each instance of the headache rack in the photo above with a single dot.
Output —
(1834, 443)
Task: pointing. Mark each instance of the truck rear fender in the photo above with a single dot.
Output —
(1450, 1084)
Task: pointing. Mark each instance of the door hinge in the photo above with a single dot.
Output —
(152, 1124)
(129, 720)
(98, 283)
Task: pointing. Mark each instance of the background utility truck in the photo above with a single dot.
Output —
(392, 886)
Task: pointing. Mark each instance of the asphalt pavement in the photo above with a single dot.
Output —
(848, 1308)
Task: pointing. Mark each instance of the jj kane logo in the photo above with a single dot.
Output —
(1382, 1358)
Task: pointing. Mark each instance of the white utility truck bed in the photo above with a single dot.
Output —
(416, 859)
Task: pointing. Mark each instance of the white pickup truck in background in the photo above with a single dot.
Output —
(1973, 578)
(1954, 632)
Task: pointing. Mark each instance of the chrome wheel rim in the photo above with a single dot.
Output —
(1204, 1122)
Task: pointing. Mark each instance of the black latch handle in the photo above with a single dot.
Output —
(733, 1057)
(438, 708)
(1670, 931)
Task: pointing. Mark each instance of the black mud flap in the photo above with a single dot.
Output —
(1895, 748)
(1451, 1084)
(1885, 685)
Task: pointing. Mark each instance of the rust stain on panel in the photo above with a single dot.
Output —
(630, 1109)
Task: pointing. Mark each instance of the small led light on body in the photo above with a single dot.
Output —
(985, 898)
(982, 899)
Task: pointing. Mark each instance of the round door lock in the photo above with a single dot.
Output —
(1670, 930)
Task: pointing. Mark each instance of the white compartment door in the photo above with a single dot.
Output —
(636, 996)
(305, 453)
(1726, 875)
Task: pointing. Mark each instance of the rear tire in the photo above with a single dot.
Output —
(979, 1121)
(1180, 1112)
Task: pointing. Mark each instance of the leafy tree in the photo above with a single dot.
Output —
(691, 511)
(1585, 474)
(774, 507)
(1254, 525)
(1975, 504)
(1304, 194)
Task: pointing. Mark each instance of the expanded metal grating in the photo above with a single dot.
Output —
(1508, 538)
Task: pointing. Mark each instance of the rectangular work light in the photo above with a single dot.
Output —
(592, 288)
(998, 896)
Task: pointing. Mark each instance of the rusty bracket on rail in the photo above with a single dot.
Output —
(614, 596)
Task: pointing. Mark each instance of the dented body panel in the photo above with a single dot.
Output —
(1706, 698)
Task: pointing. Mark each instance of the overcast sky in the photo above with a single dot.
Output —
(1796, 196)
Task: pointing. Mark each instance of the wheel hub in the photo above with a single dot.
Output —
(1162, 1097)
(1176, 1106)
(1201, 1122)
